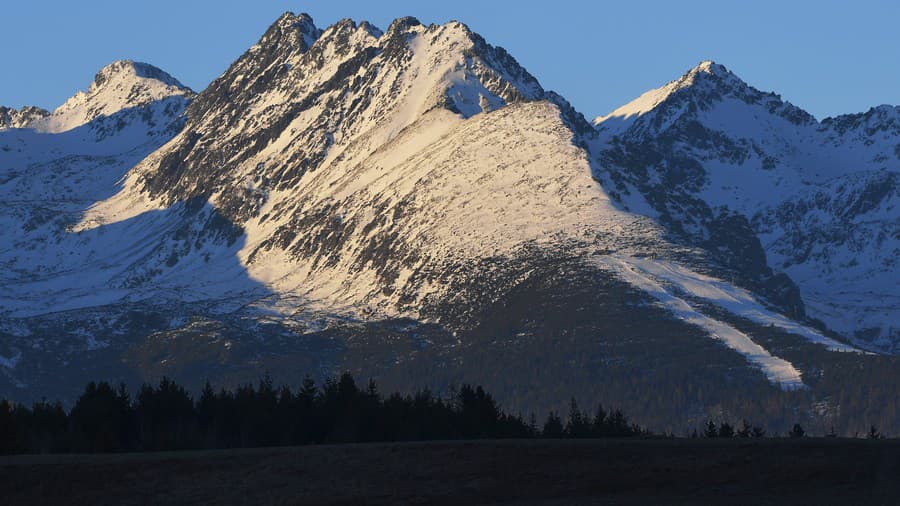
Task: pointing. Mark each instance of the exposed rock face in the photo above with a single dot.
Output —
(762, 185)
(412, 205)
(20, 118)
(122, 93)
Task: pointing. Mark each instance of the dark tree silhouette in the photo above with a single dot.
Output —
(553, 427)
(166, 417)
(101, 419)
(873, 433)
(578, 424)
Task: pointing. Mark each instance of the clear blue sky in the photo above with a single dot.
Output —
(829, 57)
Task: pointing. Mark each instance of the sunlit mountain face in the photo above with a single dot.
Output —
(411, 205)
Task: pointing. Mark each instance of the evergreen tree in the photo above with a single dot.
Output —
(478, 413)
(533, 426)
(599, 423)
(47, 425)
(208, 417)
(577, 425)
(873, 433)
(284, 416)
(306, 424)
(101, 419)
(553, 427)
(264, 423)
(165, 417)
(8, 429)
(618, 425)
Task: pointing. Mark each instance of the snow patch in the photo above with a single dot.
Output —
(779, 371)
(733, 299)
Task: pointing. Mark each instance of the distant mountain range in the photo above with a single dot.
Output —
(413, 206)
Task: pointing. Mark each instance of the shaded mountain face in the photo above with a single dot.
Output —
(60, 165)
(815, 200)
(410, 205)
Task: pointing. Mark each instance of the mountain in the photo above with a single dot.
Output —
(20, 118)
(63, 163)
(413, 206)
(821, 197)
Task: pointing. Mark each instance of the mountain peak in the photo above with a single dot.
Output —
(129, 70)
(121, 85)
(705, 71)
(302, 23)
(403, 24)
(20, 118)
(710, 67)
(708, 71)
(290, 32)
(701, 87)
(373, 30)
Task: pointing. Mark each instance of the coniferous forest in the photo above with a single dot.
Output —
(165, 417)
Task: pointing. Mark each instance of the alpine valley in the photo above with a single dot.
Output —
(413, 206)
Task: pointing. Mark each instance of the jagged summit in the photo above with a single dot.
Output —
(706, 69)
(119, 86)
(298, 30)
(701, 89)
(128, 69)
(403, 24)
(709, 142)
(883, 118)
(653, 98)
(20, 118)
(710, 67)
(292, 108)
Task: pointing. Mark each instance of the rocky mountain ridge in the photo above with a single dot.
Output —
(412, 204)
(820, 196)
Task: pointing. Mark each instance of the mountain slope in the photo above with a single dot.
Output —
(307, 134)
(60, 165)
(410, 205)
(820, 196)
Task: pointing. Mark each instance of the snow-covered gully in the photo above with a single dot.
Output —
(778, 370)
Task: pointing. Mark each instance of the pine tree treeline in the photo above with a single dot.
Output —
(727, 431)
(166, 417)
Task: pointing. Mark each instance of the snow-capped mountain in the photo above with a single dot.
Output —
(414, 206)
(821, 196)
(63, 163)
(20, 118)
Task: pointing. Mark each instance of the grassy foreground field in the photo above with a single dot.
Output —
(544, 472)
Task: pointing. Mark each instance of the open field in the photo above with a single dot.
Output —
(544, 472)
